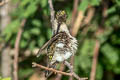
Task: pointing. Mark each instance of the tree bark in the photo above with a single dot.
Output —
(5, 52)
(6, 62)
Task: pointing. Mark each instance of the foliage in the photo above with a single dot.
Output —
(5, 78)
(37, 30)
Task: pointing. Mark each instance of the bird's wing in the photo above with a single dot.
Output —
(48, 43)
(42, 49)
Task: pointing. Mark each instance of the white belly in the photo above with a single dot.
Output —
(62, 53)
(62, 57)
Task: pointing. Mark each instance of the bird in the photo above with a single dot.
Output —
(62, 44)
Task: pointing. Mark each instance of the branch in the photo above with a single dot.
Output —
(78, 21)
(74, 12)
(94, 62)
(97, 46)
(50, 69)
(89, 16)
(3, 2)
(57, 71)
(15, 64)
(52, 12)
(72, 72)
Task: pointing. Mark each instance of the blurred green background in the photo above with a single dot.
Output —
(104, 26)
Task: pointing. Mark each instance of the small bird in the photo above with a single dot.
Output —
(62, 45)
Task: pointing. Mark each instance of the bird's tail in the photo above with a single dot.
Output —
(49, 73)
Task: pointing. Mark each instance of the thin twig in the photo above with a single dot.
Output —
(72, 63)
(57, 71)
(74, 12)
(90, 14)
(72, 72)
(97, 46)
(15, 65)
(94, 62)
(77, 23)
(50, 69)
(52, 12)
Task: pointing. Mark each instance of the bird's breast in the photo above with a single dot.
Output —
(63, 47)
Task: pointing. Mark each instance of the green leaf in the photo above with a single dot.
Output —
(111, 10)
(32, 45)
(11, 28)
(110, 53)
(99, 72)
(23, 3)
(35, 31)
(26, 34)
(41, 41)
(117, 69)
(118, 2)
(83, 5)
(23, 43)
(49, 33)
(43, 3)
(45, 12)
(83, 60)
(30, 10)
(115, 39)
(95, 2)
(6, 79)
(36, 22)
(87, 47)
(8, 36)
(25, 72)
(86, 51)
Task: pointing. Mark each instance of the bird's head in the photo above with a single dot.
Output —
(61, 16)
(60, 21)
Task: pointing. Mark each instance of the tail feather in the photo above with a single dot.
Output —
(49, 73)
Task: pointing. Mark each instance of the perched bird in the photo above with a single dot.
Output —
(62, 45)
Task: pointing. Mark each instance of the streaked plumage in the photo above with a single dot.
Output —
(62, 45)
